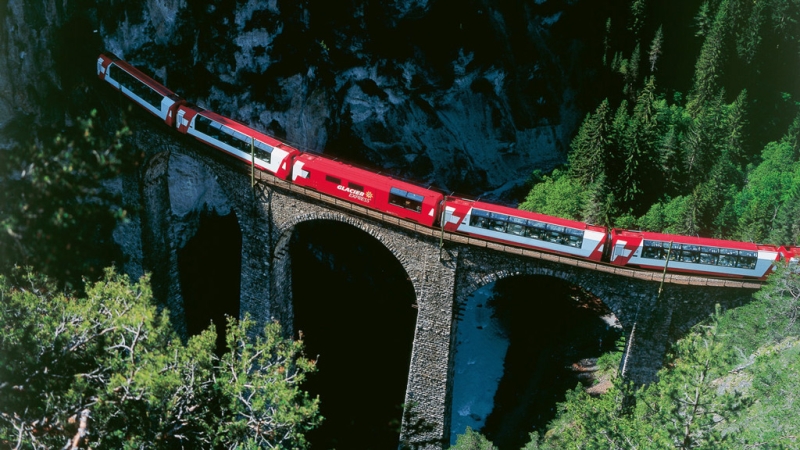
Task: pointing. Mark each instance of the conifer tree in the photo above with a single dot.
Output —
(709, 63)
(655, 48)
(591, 145)
(690, 407)
(639, 177)
(770, 185)
(638, 16)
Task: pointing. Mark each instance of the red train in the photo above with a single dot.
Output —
(431, 208)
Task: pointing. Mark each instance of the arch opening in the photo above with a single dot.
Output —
(522, 343)
(353, 303)
(209, 268)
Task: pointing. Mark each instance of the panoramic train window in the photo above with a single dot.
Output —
(263, 151)
(404, 199)
(747, 260)
(536, 230)
(696, 254)
(497, 222)
(727, 257)
(532, 229)
(229, 136)
(133, 84)
(709, 255)
(516, 226)
(479, 219)
(333, 180)
(357, 187)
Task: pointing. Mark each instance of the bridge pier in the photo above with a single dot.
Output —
(427, 411)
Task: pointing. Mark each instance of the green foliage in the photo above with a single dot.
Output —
(693, 166)
(765, 204)
(472, 440)
(692, 411)
(557, 195)
(772, 421)
(114, 358)
(591, 146)
(729, 383)
(56, 215)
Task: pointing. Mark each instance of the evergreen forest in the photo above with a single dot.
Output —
(710, 150)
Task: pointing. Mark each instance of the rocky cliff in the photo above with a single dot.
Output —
(470, 96)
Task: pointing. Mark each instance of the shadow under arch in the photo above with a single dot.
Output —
(352, 301)
(523, 340)
(282, 263)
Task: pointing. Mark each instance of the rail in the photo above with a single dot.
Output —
(437, 233)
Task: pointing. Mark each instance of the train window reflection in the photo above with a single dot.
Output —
(695, 254)
(531, 229)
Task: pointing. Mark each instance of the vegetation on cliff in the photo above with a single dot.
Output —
(57, 212)
(108, 371)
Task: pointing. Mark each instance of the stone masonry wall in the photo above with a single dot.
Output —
(633, 301)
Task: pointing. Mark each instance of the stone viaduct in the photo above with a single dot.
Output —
(442, 276)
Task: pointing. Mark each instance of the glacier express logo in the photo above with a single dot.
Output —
(365, 197)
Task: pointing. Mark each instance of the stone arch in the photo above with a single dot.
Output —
(281, 260)
(361, 288)
(499, 365)
(286, 229)
(529, 269)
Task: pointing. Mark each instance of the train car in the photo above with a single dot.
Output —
(524, 229)
(368, 189)
(148, 93)
(705, 256)
(236, 139)
(791, 256)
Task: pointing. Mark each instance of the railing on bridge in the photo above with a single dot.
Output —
(460, 239)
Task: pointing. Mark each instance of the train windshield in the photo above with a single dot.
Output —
(405, 199)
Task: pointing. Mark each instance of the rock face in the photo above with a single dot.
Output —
(468, 96)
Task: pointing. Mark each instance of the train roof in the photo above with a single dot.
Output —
(532, 215)
(680, 239)
(359, 175)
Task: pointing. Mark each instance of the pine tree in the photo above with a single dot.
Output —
(638, 16)
(693, 411)
(709, 63)
(655, 48)
(771, 186)
(591, 145)
(640, 180)
(607, 42)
